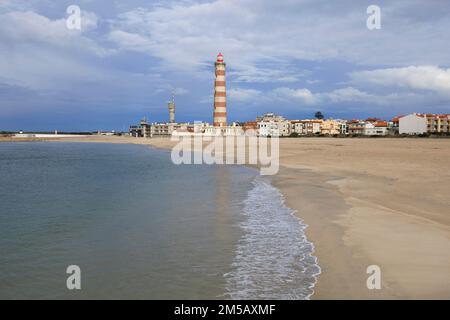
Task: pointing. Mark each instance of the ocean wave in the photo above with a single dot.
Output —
(273, 259)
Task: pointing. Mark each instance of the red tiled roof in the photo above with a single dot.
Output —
(381, 124)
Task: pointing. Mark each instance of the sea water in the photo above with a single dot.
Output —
(140, 227)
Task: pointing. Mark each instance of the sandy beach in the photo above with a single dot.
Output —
(367, 202)
(373, 201)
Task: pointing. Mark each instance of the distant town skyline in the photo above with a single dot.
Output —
(130, 57)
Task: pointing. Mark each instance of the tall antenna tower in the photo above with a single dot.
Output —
(171, 107)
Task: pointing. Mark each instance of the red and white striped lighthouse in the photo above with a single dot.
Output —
(220, 94)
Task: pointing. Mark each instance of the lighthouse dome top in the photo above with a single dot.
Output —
(220, 57)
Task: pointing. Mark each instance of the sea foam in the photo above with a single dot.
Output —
(274, 259)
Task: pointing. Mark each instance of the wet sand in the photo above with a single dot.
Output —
(367, 202)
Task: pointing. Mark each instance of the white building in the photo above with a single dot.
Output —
(412, 124)
(268, 129)
(274, 128)
(379, 128)
(343, 127)
(271, 125)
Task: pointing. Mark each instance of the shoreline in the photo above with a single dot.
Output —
(381, 203)
(338, 279)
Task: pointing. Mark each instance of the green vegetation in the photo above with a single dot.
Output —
(319, 115)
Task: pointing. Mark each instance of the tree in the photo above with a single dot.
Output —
(319, 115)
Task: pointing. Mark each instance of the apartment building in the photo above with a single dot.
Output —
(330, 127)
(271, 125)
(140, 130)
(306, 127)
(438, 123)
(356, 127)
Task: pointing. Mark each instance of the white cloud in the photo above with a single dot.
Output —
(130, 41)
(413, 77)
(189, 35)
(349, 94)
(39, 53)
(258, 74)
(268, 47)
(244, 95)
(302, 95)
(89, 20)
(26, 27)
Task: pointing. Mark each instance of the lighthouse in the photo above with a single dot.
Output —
(220, 94)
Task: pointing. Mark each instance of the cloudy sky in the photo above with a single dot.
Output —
(291, 57)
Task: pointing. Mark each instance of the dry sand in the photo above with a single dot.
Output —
(367, 201)
(373, 201)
